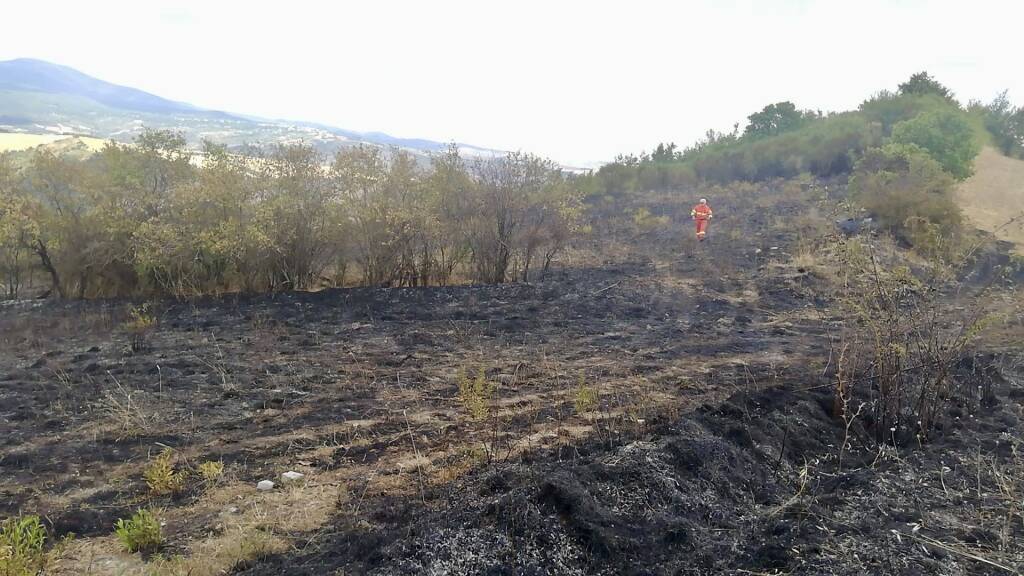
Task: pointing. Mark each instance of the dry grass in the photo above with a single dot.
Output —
(13, 142)
(994, 195)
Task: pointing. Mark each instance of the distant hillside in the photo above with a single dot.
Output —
(28, 75)
(38, 97)
(995, 194)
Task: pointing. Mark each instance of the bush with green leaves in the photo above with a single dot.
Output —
(1004, 122)
(902, 186)
(585, 397)
(923, 83)
(21, 546)
(945, 135)
(284, 218)
(887, 109)
(775, 119)
(140, 533)
(781, 141)
(476, 394)
(161, 477)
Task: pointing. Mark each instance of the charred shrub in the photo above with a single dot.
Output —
(901, 343)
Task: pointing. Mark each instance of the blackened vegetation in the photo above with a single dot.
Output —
(749, 485)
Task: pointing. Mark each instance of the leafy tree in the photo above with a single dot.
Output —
(1005, 123)
(922, 83)
(664, 153)
(207, 239)
(890, 108)
(448, 189)
(774, 119)
(378, 220)
(296, 201)
(69, 235)
(517, 199)
(18, 231)
(945, 135)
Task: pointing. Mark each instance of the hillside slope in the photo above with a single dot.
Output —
(25, 74)
(995, 194)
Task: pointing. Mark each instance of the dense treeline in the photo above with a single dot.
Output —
(781, 141)
(152, 217)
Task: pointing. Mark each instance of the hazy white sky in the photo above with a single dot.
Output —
(579, 81)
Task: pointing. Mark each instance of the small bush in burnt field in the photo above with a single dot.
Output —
(647, 222)
(140, 533)
(211, 472)
(161, 477)
(140, 323)
(21, 546)
(475, 394)
(585, 398)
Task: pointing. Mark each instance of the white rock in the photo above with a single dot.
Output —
(292, 476)
(265, 485)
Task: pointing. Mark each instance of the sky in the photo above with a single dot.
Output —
(577, 81)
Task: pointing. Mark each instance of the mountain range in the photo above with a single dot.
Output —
(39, 97)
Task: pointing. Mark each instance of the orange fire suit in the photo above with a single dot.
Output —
(701, 213)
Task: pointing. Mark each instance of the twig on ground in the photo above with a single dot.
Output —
(609, 287)
(965, 553)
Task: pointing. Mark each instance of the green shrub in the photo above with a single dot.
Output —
(1004, 122)
(946, 135)
(822, 147)
(211, 471)
(161, 477)
(140, 533)
(21, 546)
(585, 398)
(888, 109)
(475, 394)
(904, 188)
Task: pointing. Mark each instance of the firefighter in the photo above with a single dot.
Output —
(701, 213)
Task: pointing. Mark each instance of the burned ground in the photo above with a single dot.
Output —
(657, 409)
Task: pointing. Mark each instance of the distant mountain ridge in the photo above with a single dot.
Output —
(42, 97)
(27, 74)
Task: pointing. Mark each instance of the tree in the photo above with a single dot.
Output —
(774, 119)
(664, 153)
(519, 202)
(18, 231)
(206, 239)
(296, 201)
(922, 83)
(890, 108)
(449, 191)
(378, 228)
(945, 135)
(69, 236)
(1005, 122)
